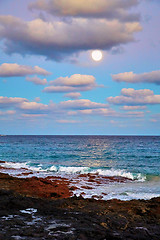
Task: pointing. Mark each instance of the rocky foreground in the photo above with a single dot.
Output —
(34, 209)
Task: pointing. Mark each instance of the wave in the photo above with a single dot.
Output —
(22, 166)
(74, 170)
(143, 186)
(104, 172)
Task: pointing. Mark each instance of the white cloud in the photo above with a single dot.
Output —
(9, 112)
(6, 102)
(34, 107)
(76, 82)
(128, 108)
(37, 99)
(66, 121)
(32, 116)
(130, 77)
(99, 111)
(16, 70)
(81, 104)
(74, 95)
(92, 8)
(75, 108)
(57, 40)
(135, 97)
(36, 80)
(130, 92)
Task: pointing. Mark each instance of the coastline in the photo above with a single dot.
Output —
(35, 208)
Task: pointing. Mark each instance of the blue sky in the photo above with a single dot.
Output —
(49, 83)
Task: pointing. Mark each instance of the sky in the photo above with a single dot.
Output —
(51, 85)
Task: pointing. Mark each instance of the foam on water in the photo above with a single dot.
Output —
(77, 170)
(14, 165)
(72, 170)
(136, 188)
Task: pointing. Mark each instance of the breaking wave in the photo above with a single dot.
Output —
(74, 170)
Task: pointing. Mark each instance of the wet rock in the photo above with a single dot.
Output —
(36, 187)
(38, 209)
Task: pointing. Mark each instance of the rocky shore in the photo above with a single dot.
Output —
(35, 208)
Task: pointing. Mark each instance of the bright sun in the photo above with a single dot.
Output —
(97, 55)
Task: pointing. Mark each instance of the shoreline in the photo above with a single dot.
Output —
(44, 209)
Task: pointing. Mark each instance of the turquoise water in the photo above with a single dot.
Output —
(134, 157)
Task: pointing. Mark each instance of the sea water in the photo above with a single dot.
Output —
(134, 158)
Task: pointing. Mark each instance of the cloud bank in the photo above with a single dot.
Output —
(110, 9)
(23, 108)
(57, 40)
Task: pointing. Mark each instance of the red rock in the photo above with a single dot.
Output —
(36, 187)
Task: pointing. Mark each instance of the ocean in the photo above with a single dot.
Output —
(104, 167)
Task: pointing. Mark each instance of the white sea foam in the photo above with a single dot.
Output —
(104, 172)
(70, 170)
(120, 173)
(18, 166)
(53, 168)
(14, 165)
(138, 189)
(73, 170)
(142, 195)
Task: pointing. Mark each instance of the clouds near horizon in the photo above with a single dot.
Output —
(130, 96)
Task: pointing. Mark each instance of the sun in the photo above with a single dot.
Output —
(97, 55)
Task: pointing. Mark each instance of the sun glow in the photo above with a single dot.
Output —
(97, 55)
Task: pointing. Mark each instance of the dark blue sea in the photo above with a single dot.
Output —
(134, 159)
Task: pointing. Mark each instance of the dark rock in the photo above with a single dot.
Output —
(72, 218)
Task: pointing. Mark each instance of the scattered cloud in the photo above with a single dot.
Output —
(6, 102)
(155, 118)
(58, 40)
(9, 112)
(66, 121)
(100, 111)
(135, 97)
(37, 99)
(130, 77)
(74, 95)
(81, 104)
(88, 9)
(107, 112)
(31, 107)
(24, 108)
(34, 107)
(32, 116)
(76, 82)
(136, 114)
(128, 108)
(16, 70)
(36, 80)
